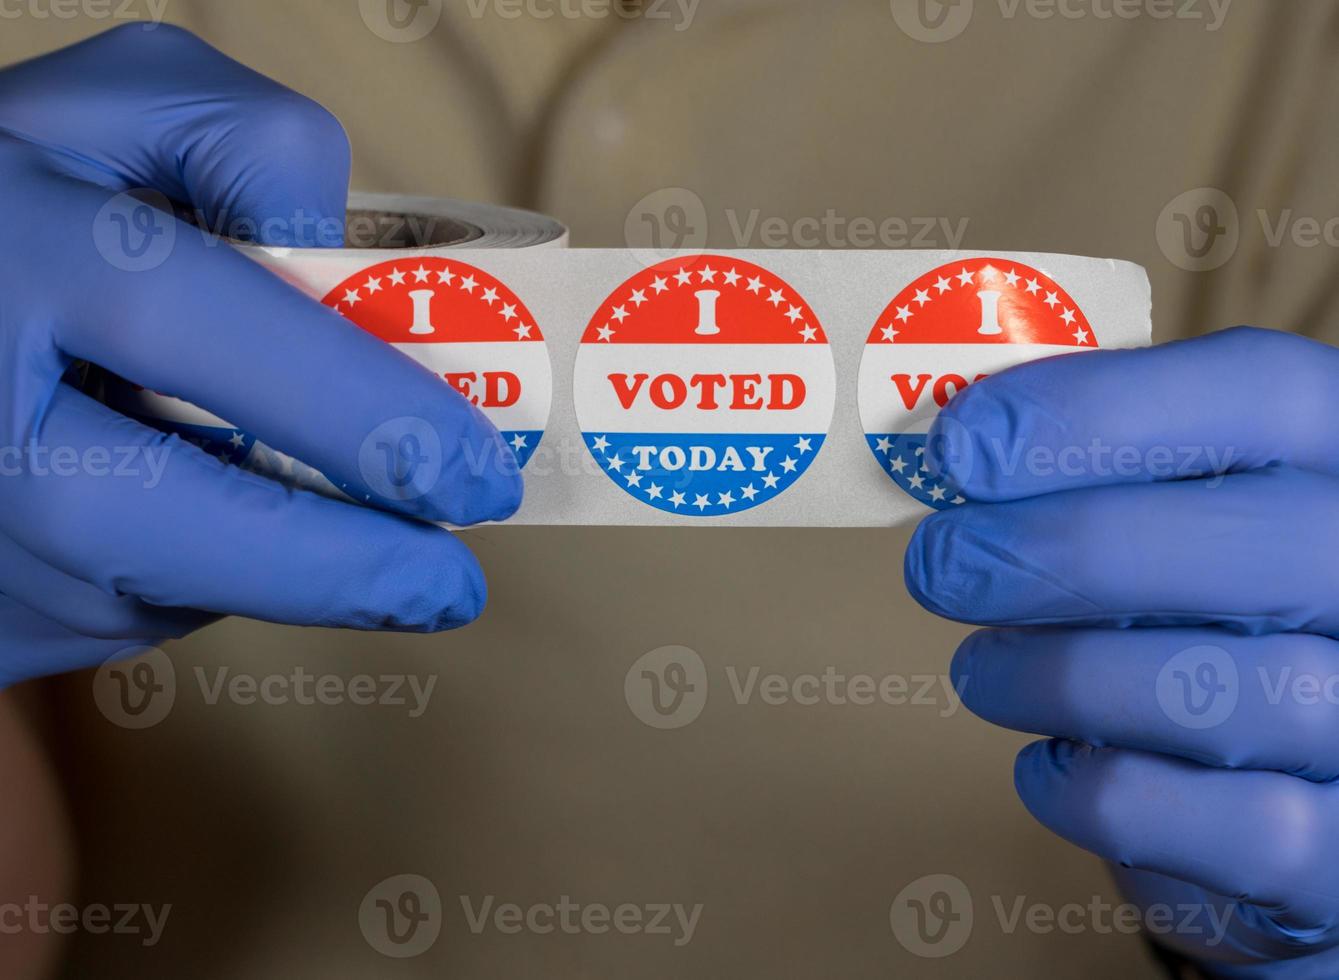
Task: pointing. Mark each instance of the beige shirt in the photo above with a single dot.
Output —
(1196, 140)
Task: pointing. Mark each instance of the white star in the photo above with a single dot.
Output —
(884, 445)
(922, 296)
(959, 499)
(938, 494)
(605, 332)
(788, 465)
(677, 499)
(794, 314)
(1080, 336)
(1052, 300)
(519, 442)
(749, 492)
(809, 333)
(373, 286)
(468, 284)
(508, 312)
(600, 444)
(903, 313)
(889, 333)
(777, 298)
(638, 297)
(420, 274)
(352, 297)
(726, 499)
(655, 492)
(708, 274)
(615, 463)
(620, 313)
(685, 277)
(523, 331)
(917, 482)
(1011, 277)
(634, 479)
(397, 277)
(1033, 287)
(732, 278)
(755, 284)
(701, 502)
(770, 481)
(966, 277)
(1068, 317)
(898, 465)
(446, 277)
(490, 296)
(237, 441)
(804, 446)
(660, 285)
(943, 285)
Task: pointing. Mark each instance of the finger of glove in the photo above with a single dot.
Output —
(1235, 400)
(1253, 552)
(144, 106)
(85, 609)
(33, 646)
(1260, 837)
(1208, 695)
(1235, 941)
(178, 528)
(207, 325)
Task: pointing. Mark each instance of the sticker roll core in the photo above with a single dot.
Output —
(752, 388)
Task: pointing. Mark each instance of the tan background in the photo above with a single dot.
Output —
(529, 778)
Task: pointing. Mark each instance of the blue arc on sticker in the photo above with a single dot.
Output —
(231, 446)
(523, 444)
(703, 475)
(903, 458)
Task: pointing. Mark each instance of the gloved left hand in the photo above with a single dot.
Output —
(1155, 534)
(97, 556)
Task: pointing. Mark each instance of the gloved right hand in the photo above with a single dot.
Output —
(1153, 540)
(113, 534)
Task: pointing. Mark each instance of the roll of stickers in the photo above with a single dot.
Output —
(741, 388)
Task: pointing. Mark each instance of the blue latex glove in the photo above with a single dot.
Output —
(1172, 631)
(92, 562)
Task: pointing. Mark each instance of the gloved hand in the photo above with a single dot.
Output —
(1172, 629)
(113, 534)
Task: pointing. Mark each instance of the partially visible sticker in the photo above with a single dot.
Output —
(466, 327)
(949, 329)
(705, 386)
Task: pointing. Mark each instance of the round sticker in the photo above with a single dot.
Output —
(467, 328)
(705, 386)
(947, 330)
